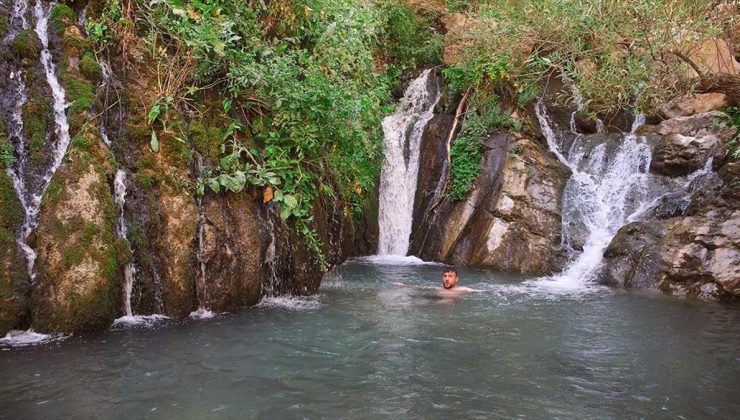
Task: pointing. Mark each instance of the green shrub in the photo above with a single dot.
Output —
(619, 54)
(484, 117)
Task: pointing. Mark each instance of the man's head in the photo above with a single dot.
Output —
(449, 278)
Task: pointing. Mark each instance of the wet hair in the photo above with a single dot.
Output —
(450, 270)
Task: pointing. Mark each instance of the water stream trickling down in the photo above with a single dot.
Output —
(31, 187)
(402, 137)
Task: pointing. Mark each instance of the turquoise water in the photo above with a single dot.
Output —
(364, 348)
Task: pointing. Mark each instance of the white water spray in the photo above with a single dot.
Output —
(605, 191)
(402, 137)
(129, 271)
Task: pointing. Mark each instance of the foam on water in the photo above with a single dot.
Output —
(139, 321)
(29, 338)
(202, 313)
(291, 303)
(393, 260)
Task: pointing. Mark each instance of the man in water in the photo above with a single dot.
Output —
(450, 279)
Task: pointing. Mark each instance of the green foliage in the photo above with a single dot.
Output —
(300, 84)
(3, 26)
(89, 67)
(484, 117)
(6, 154)
(480, 73)
(98, 28)
(619, 54)
(733, 120)
(407, 39)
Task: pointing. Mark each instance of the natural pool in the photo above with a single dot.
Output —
(364, 348)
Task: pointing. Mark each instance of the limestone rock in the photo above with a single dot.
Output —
(698, 255)
(677, 155)
(694, 125)
(78, 284)
(715, 56)
(511, 218)
(697, 104)
(633, 256)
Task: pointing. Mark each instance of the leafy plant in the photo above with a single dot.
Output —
(484, 117)
(733, 120)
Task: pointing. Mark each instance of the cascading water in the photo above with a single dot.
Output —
(129, 271)
(31, 187)
(402, 137)
(605, 191)
(201, 287)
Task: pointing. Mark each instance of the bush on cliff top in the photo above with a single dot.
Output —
(619, 54)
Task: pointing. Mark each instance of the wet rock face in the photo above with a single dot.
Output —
(509, 221)
(77, 287)
(694, 251)
(14, 281)
(633, 257)
(678, 155)
(231, 252)
(176, 243)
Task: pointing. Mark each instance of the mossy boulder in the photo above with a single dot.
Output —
(80, 94)
(36, 123)
(26, 45)
(61, 16)
(78, 285)
(14, 281)
(3, 26)
(90, 68)
(206, 140)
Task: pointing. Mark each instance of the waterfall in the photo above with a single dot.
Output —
(606, 190)
(272, 285)
(129, 271)
(201, 290)
(402, 137)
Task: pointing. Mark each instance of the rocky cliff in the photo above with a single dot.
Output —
(220, 252)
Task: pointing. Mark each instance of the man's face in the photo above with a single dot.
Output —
(449, 279)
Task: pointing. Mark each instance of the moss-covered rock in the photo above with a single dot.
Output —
(78, 286)
(3, 26)
(36, 123)
(206, 140)
(27, 44)
(61, 16)
(90, 68)
(81, 96)
(14, 282)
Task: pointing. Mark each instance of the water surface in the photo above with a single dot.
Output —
(364, 348)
